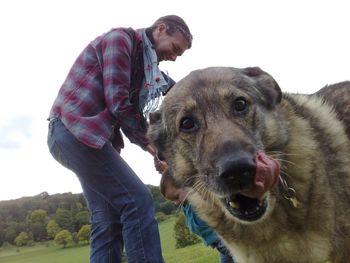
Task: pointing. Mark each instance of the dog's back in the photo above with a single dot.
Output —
(338, 95)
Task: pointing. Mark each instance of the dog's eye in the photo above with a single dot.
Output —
(187, 124)
(240, 104)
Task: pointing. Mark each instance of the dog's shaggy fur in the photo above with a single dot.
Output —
(269, 171)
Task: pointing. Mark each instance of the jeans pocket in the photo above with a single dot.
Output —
(58, 154)
(54, 147)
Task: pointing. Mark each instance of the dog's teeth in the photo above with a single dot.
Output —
(234, 205)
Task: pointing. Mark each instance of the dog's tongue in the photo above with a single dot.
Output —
(266, 177)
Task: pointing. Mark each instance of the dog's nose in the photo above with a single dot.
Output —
(238, 172)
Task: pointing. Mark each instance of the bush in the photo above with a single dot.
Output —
(183, 236)
(52, 228)
(84, 233)
(64, 237)
(22, 239)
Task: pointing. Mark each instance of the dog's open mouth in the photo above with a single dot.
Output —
(246, 208)
(250, 204)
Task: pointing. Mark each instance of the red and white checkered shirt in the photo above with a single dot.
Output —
(100, 94)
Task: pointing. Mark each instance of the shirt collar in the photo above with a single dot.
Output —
(150, 36)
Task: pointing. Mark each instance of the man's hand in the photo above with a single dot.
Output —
(161, 166)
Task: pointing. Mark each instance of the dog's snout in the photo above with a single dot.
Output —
(237, 172)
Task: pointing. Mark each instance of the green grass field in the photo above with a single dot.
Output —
(80, 254)
(197, 253)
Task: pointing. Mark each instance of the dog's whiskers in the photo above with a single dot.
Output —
(279, 157)
(201, 189)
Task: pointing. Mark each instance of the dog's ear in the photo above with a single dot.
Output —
(266, 84)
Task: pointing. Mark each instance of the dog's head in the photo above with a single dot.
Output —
(215, 129)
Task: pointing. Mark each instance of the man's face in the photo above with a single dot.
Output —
(169, 47)
(177, 195)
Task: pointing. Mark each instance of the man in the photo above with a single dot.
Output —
(112, 86)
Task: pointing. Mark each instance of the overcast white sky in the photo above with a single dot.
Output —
(303, 44)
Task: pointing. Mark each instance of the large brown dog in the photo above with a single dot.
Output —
(270, 172)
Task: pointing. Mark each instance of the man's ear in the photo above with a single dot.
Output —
(161, 27)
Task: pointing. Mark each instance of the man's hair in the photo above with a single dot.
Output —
(175, 23)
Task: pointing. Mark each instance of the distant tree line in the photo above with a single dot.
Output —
(63, 218)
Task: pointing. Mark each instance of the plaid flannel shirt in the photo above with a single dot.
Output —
(100, 94)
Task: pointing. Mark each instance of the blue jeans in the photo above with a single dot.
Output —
(121, 206)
